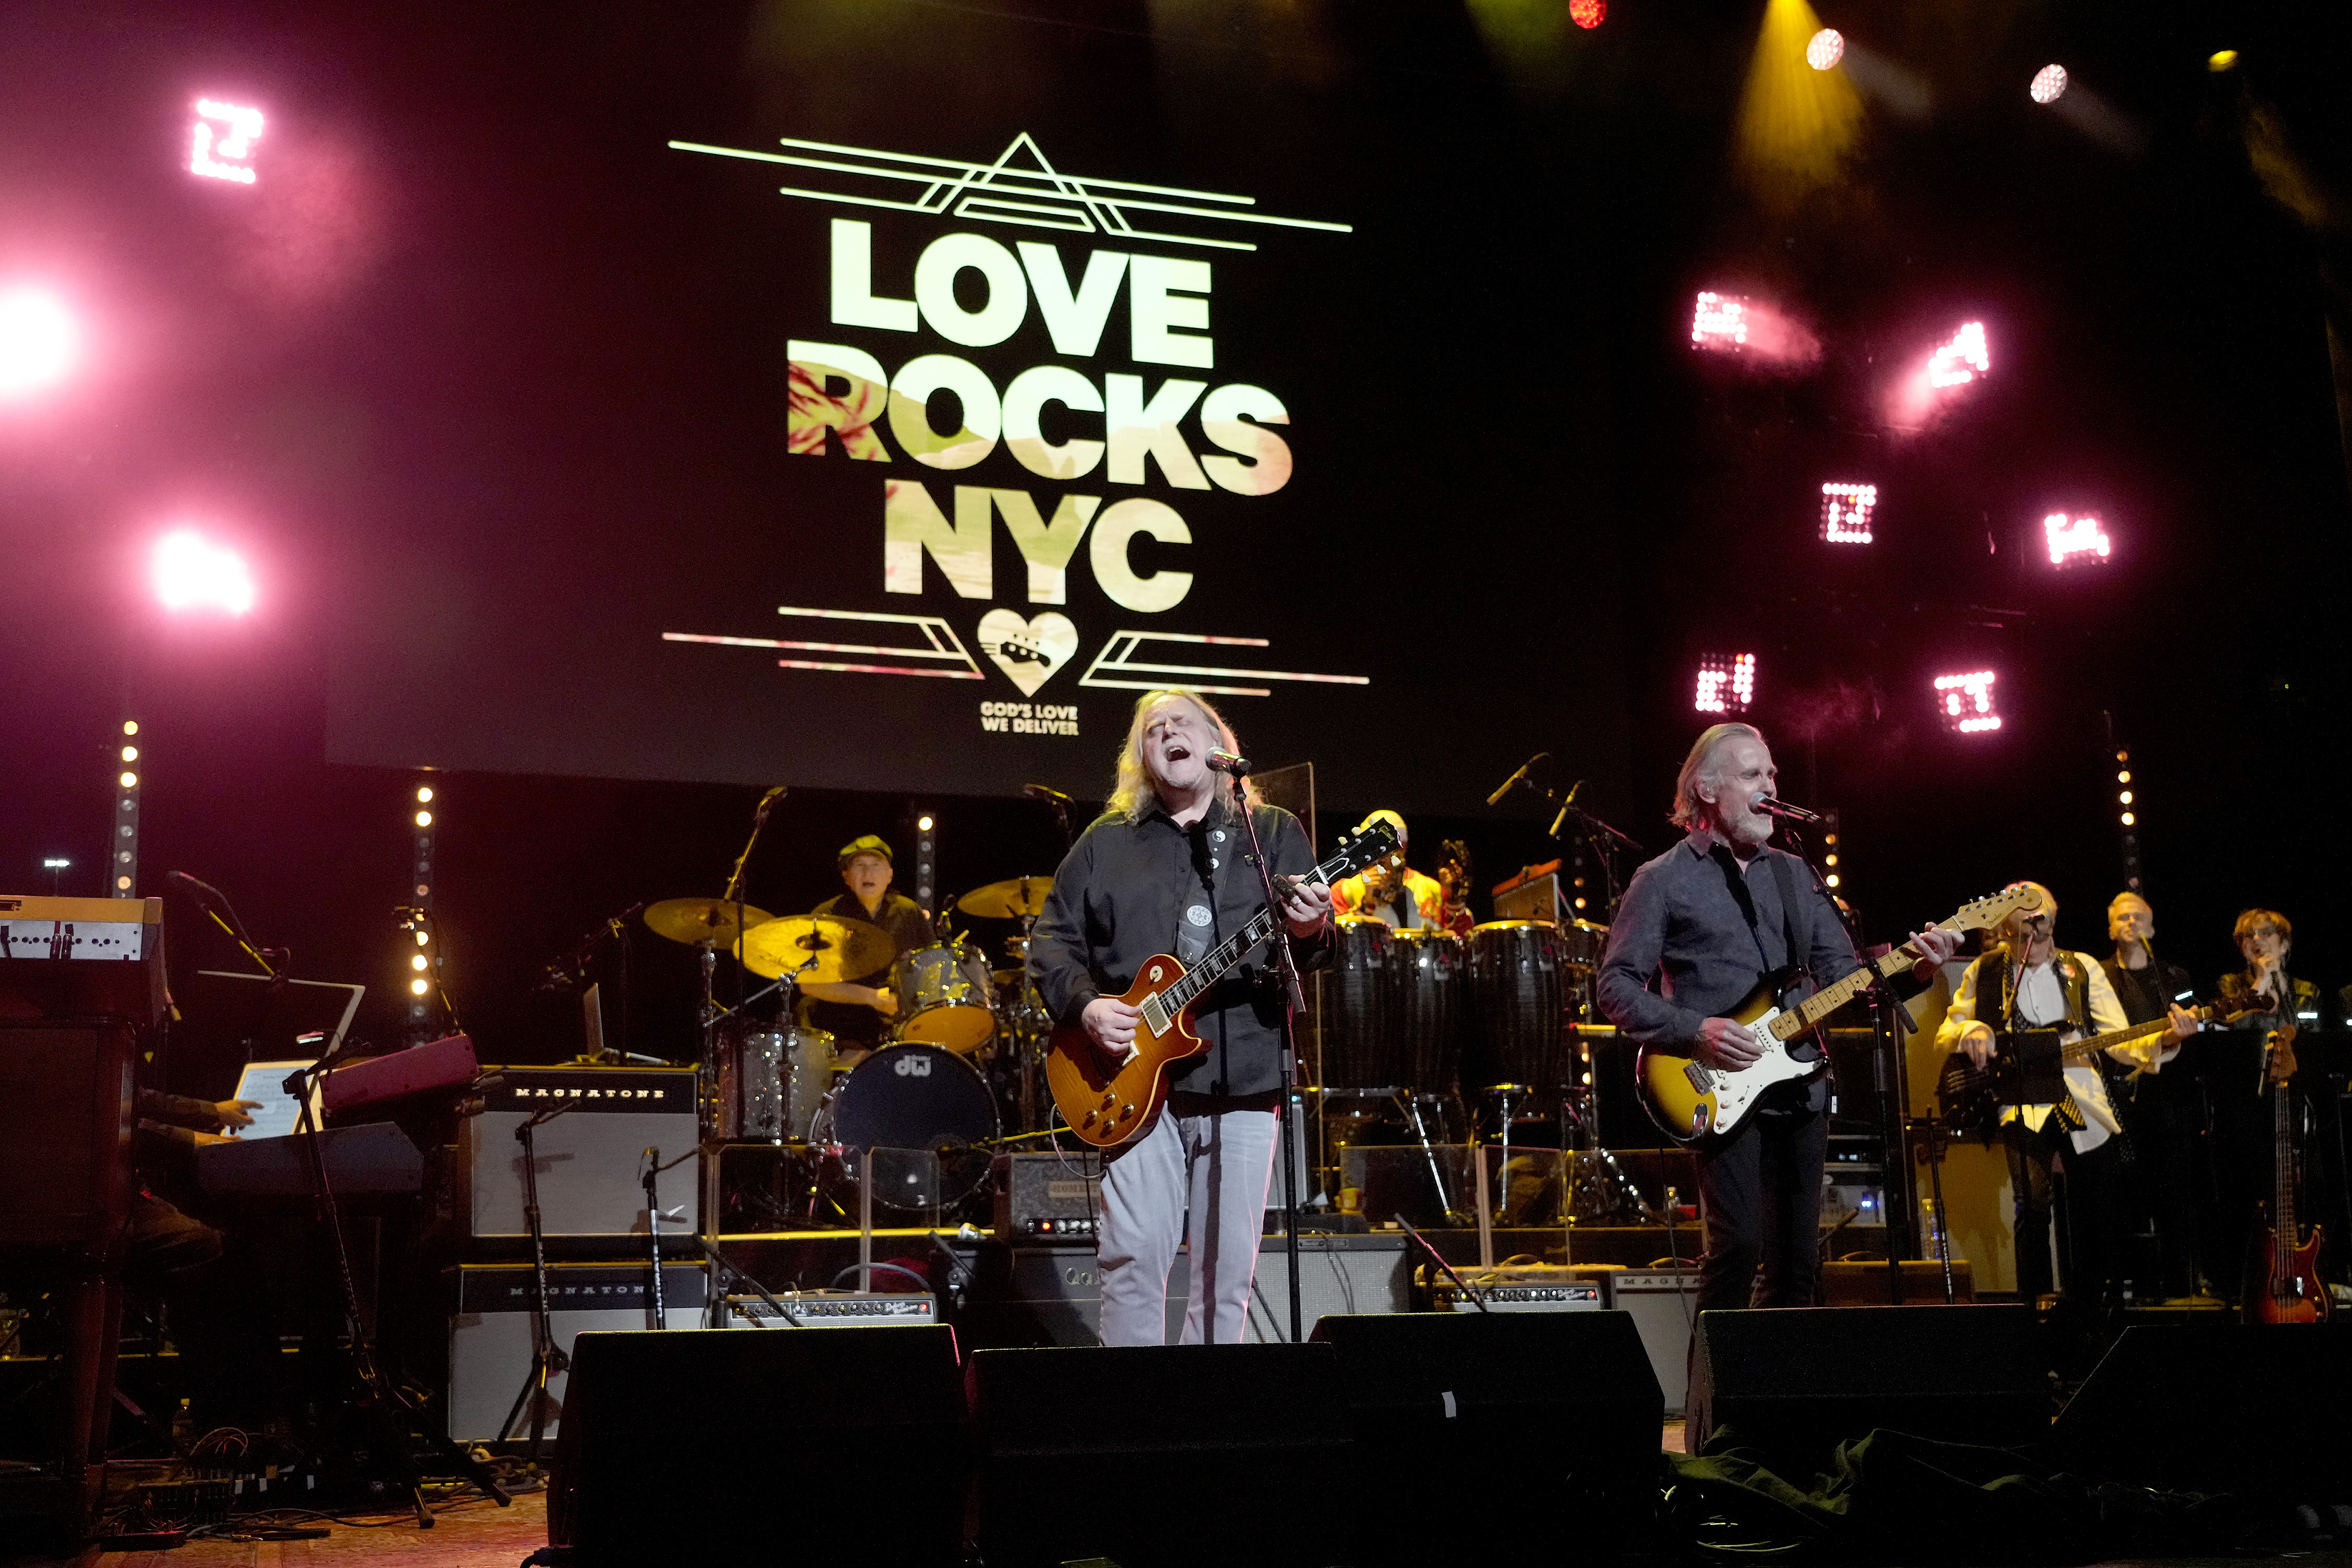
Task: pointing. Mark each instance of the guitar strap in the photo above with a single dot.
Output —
(1798, 951)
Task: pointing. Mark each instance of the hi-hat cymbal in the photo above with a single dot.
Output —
(701, 919)
(843, 949)
(1008, 901)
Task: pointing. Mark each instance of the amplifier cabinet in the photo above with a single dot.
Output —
(1046, 1196)
(491, 1336)
(590, 1157)
(1521, 1296)
(1664, 1305)
(833, 1309)
(1046, 1296)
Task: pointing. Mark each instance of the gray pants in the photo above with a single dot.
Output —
(1216, 1166)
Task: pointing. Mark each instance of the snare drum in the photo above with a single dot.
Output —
(1360, 1042)
(1517, 997)
(916, 1097)
(771, 1083)
(944, 996)
(1426, 1001)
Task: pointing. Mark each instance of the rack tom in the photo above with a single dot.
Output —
(945, 997)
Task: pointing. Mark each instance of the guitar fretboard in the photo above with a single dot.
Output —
(1830, 997)
(1236, 947)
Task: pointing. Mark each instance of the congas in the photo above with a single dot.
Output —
(1584, 942)
(915, 1097)
(772, 1082)
(944, 996)
(1426, 1003)
(1360, 1042)
(1518, 996)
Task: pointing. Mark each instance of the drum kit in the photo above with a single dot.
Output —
(964, 1053)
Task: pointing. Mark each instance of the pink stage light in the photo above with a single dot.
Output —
(38, 341)
(2075, 541)
(1753, 329)
(1846, 512)
(1966, 702)
(2048, 84)
(1962, 360)
(1725, 685)
(192, 574)
(1825, 48)
(221, 144)
(1587, 14)
(1720, 323)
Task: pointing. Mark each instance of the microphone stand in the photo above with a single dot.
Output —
(1294, 1001)
(547, 1357)
(706, 1098)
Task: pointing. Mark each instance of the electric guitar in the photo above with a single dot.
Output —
(2283, 1284)
(1689, 1099)
(1110, 1105)
(1972, 1096)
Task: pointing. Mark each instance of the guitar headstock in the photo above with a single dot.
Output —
(1990, 912)
(1360, 846)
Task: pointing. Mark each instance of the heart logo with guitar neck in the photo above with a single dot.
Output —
(1029, 652)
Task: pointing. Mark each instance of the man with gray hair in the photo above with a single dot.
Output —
(1697, 929)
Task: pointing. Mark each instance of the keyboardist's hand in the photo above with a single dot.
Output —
(232, 1113)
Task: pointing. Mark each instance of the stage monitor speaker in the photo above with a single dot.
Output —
(1157, 1456)
(490, 1333)
(1556, 1416)
(716, 1446)
(2218, 1407)
(1796, 1382)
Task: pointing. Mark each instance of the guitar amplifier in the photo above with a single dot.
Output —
(491, 1333)
(1519, 1296)
(1046, 1196)
(589, 1156)
(833, 1309)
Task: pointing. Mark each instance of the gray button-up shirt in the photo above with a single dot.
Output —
(1681, 950)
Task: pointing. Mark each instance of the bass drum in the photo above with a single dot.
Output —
(915, 1097)
(1427, 1001)
(772, 1084)
(1519, 973)
(1359, 1041)
(944, 998)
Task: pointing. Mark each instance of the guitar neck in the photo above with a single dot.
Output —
(1832, 997)
(1236, 947)
(2282, 1160)
(2083, 1050)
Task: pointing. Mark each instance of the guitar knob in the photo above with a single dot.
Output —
(1108, 1101)
(1125, 1111)
(1090, 1121)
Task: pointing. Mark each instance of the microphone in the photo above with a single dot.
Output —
(1039, 792)
(202, 888)
(1226, 762)
(768, 802)
(1515, 779)
(1783, 810)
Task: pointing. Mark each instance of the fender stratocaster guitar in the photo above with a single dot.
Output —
(2283, 1284)
(1108, 1106)
(1689, 1100)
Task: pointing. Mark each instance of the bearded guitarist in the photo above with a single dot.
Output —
(1697, 928)
(2029, 984)
(1162, 871)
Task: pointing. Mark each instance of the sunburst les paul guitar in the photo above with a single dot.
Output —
(1109, 1103)
(1689, 1099)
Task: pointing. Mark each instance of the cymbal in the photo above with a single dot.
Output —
(843, 949)
(700, 919)
(1008, 901)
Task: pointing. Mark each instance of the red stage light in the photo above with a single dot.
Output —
(1825, 48)
(1587, 12)
(192, 573)
(2073, 541)
(1846, 512)
(1966, 702)
(2048, 84)
(37, 340)
(1719, 323)
(1962, 360)
(1725, 685)
(221, 144)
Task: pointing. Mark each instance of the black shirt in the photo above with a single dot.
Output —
(903, 919)
(1128, 891)
(2148, 991)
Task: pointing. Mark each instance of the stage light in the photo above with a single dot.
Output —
(221, 143)
(2129, 819)
(2074, 540)
(1825, 48)
(424, 819)
(422, 937)
(2048, 84)
(38, 341)
(131, 726)
(129, 754)
(1725, 685)
(56, 865)
(1754, 329)
(1796, 124)
(926, 857)
(418, 961)
(2221, 61)
(2124, 797)
(130, 780)
(423, 793)
(1966, 702)
(1846, 512)
(1720, 321)
(419, 986)
(1588, 14)
(192, 574)
(2123, 777)
(923, 825)
(1962, 360)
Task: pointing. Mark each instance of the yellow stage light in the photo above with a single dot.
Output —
(129, 754)
(419, 986)
(424, 819)
(2129, 819)
(130, 780)
(2221, 61)
(1796, 124)
(418, 962)
(131, 726)
(423, 793)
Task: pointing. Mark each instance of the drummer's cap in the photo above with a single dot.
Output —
(1391, 819)
(864, 844)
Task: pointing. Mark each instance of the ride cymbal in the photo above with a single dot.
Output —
(1008, 901)
(692, 921)
(843, 949)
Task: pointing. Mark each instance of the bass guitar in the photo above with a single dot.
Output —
(2283, 1284)
(1110, 1105)
(1689, 1100)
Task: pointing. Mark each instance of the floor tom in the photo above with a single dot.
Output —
(772, 1082)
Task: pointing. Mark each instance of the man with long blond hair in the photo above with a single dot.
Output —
(1163, 872)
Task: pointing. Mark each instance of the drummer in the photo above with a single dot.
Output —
(1391, 891)
(858, 1014)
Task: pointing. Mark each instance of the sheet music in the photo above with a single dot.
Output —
(281, 1114)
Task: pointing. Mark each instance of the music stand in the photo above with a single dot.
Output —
(280, 1012)
(2029, 1069)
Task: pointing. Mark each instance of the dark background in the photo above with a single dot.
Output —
(488, 383)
